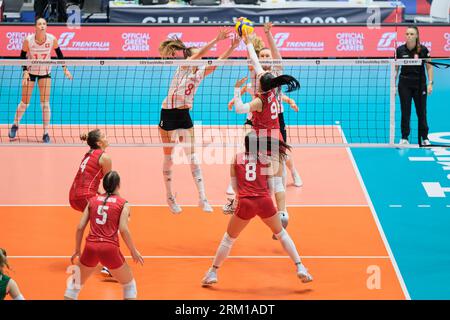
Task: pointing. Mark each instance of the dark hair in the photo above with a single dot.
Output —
(418, 47)
(110, 182)
(268, 81)
(264, 145)
(175, 44)
(3, 258)
(92, 138)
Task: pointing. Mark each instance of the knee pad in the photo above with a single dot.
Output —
(284, 217)
(227, 241)
(130, 290)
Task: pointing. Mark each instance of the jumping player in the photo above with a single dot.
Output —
(37, 46)
(107, 214)
(175, 117)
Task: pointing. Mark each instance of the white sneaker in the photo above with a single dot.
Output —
(173, 206)
(426, 142)
(297, 180)
(210, 278)
(303, 274)
(229, 207)
(203, 203)
(230, 190)
(403, 141)
(105, 273)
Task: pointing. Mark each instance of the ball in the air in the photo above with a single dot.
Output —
(244, 26)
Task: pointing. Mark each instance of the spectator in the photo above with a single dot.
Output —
(61, 6)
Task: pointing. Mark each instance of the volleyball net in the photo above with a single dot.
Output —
(341, 102)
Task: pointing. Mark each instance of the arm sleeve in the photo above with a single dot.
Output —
(240, 106)
(254, 58)
(59, 53)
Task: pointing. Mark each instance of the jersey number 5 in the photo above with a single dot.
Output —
(250, 171)
(102, 212)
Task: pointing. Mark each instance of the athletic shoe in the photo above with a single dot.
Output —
(203, 203)
(426, 142)
(404, 141)
(13, 131)
(297, 180)
(303, 274)
(229, 207)
(105, 273)
(210, 278)
(46, 138)
(173, 206)
(230, 190)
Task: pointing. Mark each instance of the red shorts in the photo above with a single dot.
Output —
(106, 253)
(248, 208)
(78, 204)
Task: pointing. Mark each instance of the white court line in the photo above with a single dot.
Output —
(421, 159)
(193, 205)
(211, 257)
(377, 221)
(395, 206)
(424, 206)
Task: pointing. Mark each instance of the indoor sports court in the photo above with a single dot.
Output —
(369, 221)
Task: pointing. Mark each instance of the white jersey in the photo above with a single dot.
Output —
(183, 87)
(253, 87)
(40, 52)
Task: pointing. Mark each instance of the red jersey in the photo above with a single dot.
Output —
(251, 176)
(105, 219)
(90, 173)
(267, 119)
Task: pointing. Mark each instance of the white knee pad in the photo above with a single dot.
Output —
(130, 290)
(227, 241)
(19, 297)
(284, 217)
(72, 293)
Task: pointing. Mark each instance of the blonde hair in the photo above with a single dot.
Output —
(170, 46)
(258, 44)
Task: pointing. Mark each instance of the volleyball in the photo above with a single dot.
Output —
(244, 25)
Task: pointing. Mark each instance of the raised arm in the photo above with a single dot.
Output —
(223, 34)
(251, 52)
(241, 107)
(234, 44)
(272, 45)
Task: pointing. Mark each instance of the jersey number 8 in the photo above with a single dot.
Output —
(102, 212)
(250, 171)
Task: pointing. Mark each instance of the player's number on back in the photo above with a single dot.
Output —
(83, 164)
(274, 110)
(250, 171)
(102, 212)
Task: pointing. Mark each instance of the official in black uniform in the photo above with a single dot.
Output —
(413, 85)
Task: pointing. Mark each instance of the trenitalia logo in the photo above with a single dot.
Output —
(283, 45)
(66, 42)
(387, 41)
(65, 38)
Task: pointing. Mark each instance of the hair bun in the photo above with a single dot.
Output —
(83, 136)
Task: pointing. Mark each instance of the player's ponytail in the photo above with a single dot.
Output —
(266, 146)
(3, 258)
(110, 183)
(268, 81)
(92, 138)
(169, 47)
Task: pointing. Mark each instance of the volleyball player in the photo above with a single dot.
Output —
(107, 214)
(175, 116)
(7, 285)
(253, 177)
(95, 164)
(37, 46)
